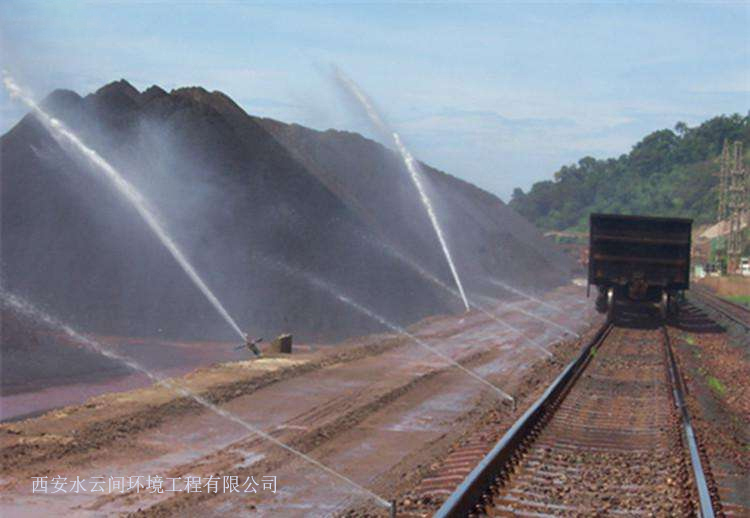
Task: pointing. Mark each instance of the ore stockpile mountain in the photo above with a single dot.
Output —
(34, 357)
(242, 195)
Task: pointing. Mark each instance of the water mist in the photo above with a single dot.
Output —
(25, 308)
(70, 141)
(352, 89)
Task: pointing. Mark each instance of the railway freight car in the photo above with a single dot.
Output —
(638, 259)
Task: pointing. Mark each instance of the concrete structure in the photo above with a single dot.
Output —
(281, 344)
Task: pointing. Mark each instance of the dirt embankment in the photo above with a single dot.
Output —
(34, 358)
(732, 286)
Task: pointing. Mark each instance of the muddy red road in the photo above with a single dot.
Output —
(165, 358)
(377, 416)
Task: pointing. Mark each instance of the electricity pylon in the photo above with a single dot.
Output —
(737, 205)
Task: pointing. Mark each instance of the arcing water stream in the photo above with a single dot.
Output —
(401, 330)
(525, 295)
(390, 249)
(351, 88)
(328, 288)
(534, 299)
(68, 140)
(23, 307)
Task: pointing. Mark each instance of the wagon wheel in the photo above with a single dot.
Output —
(664, 305)
(674, 305)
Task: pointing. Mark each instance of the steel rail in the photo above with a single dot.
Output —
(467, 495)
(719, 305)
(699, 477)
(471, 491)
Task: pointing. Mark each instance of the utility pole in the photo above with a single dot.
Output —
(737, 204)
(724, 169)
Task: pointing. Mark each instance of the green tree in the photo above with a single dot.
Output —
(667, 173)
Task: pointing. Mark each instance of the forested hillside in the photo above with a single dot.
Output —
(668, 173)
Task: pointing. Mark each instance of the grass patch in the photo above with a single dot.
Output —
(716, 385)
(739, 299)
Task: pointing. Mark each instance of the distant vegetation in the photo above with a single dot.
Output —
(741, 299)
(668, 173)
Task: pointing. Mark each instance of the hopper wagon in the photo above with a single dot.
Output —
(639, 259)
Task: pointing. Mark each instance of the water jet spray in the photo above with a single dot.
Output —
(472, 303)
(538, 301)
(20, 305)
(412, 166)
(538, 317)
(523, 294)
(315, 281)
(534, 299)
(70, 141)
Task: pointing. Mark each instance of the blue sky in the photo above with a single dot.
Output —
(499, 94)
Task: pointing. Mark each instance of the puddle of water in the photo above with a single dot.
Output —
(250, 459)
(435, 413)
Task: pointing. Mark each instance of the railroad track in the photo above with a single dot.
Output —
(611, 436)
(734, 312)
